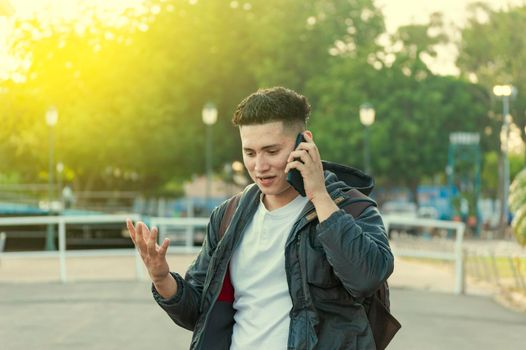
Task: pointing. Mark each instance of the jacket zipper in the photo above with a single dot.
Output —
(215, 296)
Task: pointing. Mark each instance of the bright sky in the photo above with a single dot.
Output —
(401, 12)
(66, 8)
(397, 12)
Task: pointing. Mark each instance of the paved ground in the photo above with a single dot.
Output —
(434, 321)
(118, 315)
(85, 315)
(116, 312)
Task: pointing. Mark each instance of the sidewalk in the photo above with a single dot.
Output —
(110, 268)
(106, 309)
(408, 274)
(122, 315)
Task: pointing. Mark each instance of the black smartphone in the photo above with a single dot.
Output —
(294, 176)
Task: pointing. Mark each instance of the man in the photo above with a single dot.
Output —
(291, 272)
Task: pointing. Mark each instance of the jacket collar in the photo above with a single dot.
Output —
(338, 179)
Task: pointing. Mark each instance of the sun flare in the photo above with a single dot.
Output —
(68, 9)
(81, 15)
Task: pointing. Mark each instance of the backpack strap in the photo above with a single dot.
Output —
(383, 324)
(356, 208)
(229, 213)
(360, 203)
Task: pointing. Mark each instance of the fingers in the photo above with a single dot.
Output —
(140, 242)
(145, 232)
(146, 240)
(296, 164)
(131, 229)
(151, 242)
(164, 247)
(311, 149)
(300, 154)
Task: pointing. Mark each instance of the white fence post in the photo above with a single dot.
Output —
(3, 237)
(459, 261)
(62, 221)
(62, 248)
(457, 255)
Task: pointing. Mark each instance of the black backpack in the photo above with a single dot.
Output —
(383, 324)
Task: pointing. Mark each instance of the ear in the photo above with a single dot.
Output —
(308, 133)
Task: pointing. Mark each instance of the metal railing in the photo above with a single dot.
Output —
(189, 226)
(62, 221)
(2, 241)
(457, 255)
(505, 270)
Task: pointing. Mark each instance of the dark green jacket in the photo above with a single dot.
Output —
(331, 267)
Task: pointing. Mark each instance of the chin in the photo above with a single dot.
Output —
(282, 190)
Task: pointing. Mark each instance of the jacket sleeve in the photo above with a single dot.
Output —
(358, 250)
(183, 307)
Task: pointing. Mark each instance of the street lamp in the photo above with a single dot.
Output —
(505, 91)
(51, 121)
(367, 115)
(60, 171)
(209, 115)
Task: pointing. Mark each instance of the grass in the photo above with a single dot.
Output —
(483, 263)
(502, 264)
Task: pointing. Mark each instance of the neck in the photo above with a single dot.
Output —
(272, 202)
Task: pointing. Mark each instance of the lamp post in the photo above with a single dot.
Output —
(209, 115)
(60, 171)
(505, 91)
(367, 115)
(51, 121)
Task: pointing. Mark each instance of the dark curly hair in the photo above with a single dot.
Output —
(273, 104)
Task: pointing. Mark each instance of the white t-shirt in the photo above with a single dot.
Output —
(257, 269)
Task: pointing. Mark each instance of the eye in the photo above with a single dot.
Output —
(274, 151)
(249, 153)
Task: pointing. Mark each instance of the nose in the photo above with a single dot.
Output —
(261, 164)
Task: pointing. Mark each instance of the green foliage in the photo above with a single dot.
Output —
(129, 91)
(493, 51)
(490, 174)
(517, 202)
(490, 171)
(415, 111)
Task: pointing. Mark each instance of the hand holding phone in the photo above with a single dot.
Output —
(294, 177)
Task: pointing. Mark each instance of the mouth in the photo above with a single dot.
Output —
(266, 180)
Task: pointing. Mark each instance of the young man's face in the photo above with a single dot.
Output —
(266, 148)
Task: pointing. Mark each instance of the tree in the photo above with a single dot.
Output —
(130, 90)
(492, 51)
(415, 109)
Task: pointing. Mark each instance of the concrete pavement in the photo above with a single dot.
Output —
(438, 321)
(85, 315)
(106, 309)
(118, 315)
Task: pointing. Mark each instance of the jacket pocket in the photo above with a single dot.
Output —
(319, 271)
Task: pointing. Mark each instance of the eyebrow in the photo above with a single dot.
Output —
(264, 148)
